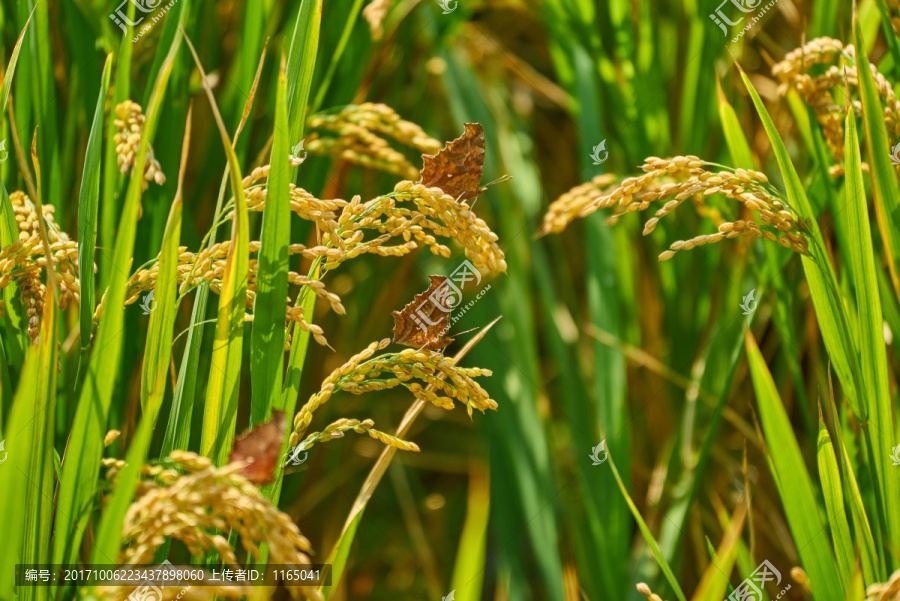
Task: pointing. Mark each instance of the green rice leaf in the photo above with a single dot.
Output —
(81, 463)
(153, 377)
(267, 338)
(158, 351)
(883, 173)
(872, 562)
(300, 68)
(110, 204)
(11, 70)
(88, 199)
(823, 286)
(741, 155)
(648, 536)
(715, 578)
(794, 484)
(834, 504)
(220, 415)
(9, 230)
(337, 559)
(870, 326)
(27, 477)
(302, 64)
(468, 570)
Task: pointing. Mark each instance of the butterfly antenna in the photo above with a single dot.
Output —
(499, 180)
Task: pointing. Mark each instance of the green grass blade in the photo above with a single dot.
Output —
(856, 591)
(27, 477)
(300, 68)
(267, 337)
(883, 173)
(834, 504)
(350, 20)
(794, 484)
(825, 19)
(153, 376)
(648, 536)
(158, 345)
(11, 68)
(88, 199)
(890, 37)
(85, 448)
(300, 340)
(220, 415)
(178, 428)
(468, 570)
(715, 578)
(871, 330)
(302, 64)
(824, 290)
(742, 156)
(873, 567)
(112, 176)
(174, 21)
(16, 339)
(109, 534)
(337, 559)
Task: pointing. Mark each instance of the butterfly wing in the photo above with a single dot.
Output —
(261, 446)
(421, 323)
(457, 168)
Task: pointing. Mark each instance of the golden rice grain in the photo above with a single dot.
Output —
(365, 372)
(886, 591)
(672, 182)
(130, 126)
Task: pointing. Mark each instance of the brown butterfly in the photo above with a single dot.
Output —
(423, 323)
(261, 446)
(457, 168)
